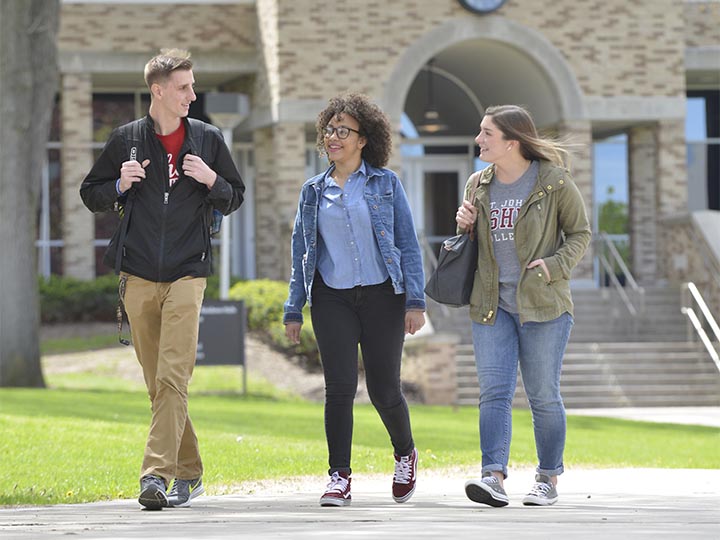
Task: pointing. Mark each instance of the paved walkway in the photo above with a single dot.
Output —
(699, 416)
(617, 504)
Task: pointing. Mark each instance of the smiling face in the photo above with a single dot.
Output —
(492, 142)
(174, 95)
(344, 151)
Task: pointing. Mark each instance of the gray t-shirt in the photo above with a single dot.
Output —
(505, 203)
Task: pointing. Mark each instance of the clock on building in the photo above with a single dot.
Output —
(481, 6)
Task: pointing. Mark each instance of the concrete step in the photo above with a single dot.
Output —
(613, 359)
(619, 374)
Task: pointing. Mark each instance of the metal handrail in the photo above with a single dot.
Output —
(618, 287)
(697, 324)
(634, 307)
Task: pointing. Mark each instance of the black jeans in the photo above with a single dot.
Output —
(374, 318)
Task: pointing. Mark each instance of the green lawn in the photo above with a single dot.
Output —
(82, 440)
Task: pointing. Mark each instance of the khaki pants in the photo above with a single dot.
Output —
(164, 321)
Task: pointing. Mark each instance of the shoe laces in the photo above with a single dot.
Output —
(540, 489)
(156, 480)
(337, 483)
(173, 489)
(491, 479)
(403, 470)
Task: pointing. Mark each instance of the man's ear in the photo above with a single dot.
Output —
(156, 90)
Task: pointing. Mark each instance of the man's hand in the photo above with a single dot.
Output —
(131, 172)
(194, 166)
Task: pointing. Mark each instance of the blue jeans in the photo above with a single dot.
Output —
(538, 347)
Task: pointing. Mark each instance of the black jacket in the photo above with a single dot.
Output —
(167, 228)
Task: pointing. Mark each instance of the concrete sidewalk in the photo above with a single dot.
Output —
(698, 416)
(594, 504)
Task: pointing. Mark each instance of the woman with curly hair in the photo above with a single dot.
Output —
(356, 261)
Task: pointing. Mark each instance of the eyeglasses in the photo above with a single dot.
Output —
(342, 132)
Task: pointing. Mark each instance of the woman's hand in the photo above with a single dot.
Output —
(466, 215)
(541, 264)
(414, 321)
(292, 332)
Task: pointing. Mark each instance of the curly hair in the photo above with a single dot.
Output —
(374, 126)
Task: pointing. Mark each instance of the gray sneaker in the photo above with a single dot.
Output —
(152, 492)
(543, 493)
(184, 491)
(487, 491)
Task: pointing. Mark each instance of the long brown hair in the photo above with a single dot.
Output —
(516, 124)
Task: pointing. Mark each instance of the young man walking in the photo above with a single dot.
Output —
(167, 174)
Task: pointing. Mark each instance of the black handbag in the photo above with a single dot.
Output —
(452, 281)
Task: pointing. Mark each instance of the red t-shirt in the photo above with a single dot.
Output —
(172, 144)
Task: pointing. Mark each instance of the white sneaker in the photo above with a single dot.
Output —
(487, 491)
(543, 493)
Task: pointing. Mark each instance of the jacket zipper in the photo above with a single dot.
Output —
(166, 198)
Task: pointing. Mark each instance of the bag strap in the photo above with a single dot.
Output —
(133, 142)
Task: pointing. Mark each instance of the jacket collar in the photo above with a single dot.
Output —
(150, 124)
(369, 171)
(550, 176)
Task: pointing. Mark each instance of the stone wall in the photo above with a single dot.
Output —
(429, 365)
(642, 155)
(280, 165)
(702, 23)
(78, 225)
(130, 27)
(609, 45)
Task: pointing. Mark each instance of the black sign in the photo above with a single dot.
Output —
(222, 333)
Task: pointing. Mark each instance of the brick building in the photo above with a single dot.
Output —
(622, 78)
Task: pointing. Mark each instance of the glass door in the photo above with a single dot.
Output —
(435, 185)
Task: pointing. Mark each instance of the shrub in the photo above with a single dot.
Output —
(65, 299)
(264, 301)
(212, 291)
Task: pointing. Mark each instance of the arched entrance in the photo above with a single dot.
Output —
(439, 91)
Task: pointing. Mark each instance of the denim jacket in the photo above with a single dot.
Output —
(394, 230)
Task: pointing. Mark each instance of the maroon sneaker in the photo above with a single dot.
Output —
(338, 490)
(404, 479)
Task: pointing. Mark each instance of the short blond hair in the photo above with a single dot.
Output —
(160, 66)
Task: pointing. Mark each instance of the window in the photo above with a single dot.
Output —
(702, 133)
(610, 176)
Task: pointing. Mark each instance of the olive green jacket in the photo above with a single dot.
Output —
(552, 225)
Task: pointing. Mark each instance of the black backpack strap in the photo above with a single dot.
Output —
(196, 136)
(134, 141)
